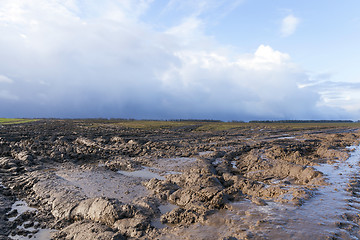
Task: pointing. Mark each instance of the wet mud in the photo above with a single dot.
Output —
(75, 179)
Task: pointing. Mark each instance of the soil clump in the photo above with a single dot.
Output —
(101, 180)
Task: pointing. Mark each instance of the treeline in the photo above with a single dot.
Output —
(193, 120)
(209, 120)
(158, 120)
(302, 121)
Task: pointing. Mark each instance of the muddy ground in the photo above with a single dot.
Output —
(67, 179)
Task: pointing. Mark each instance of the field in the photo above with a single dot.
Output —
(6, 121)
(127, 179)
(216, 125)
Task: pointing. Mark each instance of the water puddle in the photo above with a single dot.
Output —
(285, 137)
(37, 234)
(21, 207)
(217, 161)
(144, 173)
(318, 218)
(205, 153)
(166, 166)
(233, 163)
(181, 160)
(165, 208)
(104, 183)
(172, 173)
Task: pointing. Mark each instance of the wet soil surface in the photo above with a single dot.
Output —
(67, 179)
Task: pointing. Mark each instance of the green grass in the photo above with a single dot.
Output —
(6, 121)
(224, 126)
(196, 124)
(150, 124)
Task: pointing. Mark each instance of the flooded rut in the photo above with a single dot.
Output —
(321, 217)
(31, 229)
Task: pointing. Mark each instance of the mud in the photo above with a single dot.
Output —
(75, 179)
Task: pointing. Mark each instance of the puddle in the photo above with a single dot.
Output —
(226, 148)
(176, 165)
(36, 233)
(165, 208)
(144, 173)
(285, 137)
(317, 218)
(205, 153)
(233, 163)
(41, 234)
(21, 207)
(104, 183)
(172, 173)
(217, 161)
(181, 160)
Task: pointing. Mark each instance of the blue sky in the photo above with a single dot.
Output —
(167, 59)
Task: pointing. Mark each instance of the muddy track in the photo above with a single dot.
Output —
(94, 180)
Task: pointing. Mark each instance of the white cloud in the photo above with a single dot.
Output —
(106, 62)
(265, 58)
(289, 25)
(263, 83)
(338, 95)
(201, 6)
(5, 79)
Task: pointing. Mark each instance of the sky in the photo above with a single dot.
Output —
(180, 59)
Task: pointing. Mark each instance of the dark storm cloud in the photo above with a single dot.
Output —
(61, 59)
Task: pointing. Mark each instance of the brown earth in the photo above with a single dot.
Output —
(106, 181)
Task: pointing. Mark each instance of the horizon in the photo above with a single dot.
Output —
(193, 120)
(178, 59)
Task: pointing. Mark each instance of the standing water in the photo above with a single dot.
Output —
(318, 218)
(33, 233)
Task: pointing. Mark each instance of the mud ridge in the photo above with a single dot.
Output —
(94, 180)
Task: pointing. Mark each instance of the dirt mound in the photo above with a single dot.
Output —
(92, 181)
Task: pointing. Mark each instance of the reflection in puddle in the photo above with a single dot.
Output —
(182, 160)
(34, 233)
(172, 173)
(217, 161)
(176, 165)
(233, 163)
(144, 173)
(165, 208)
(205, 153)
(38, 234)
(285, 137)
(21, 207)
(318, 218)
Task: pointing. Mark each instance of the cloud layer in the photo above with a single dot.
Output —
(78, 59)
(289, 25)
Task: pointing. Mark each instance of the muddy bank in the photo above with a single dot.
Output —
(107, 181)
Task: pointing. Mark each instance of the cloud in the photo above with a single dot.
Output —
(338, 95)
(260, 85)
(6, 95)
(196, 8)
(289, 25)
(5, 79)
(88, 60)
(264, 58)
